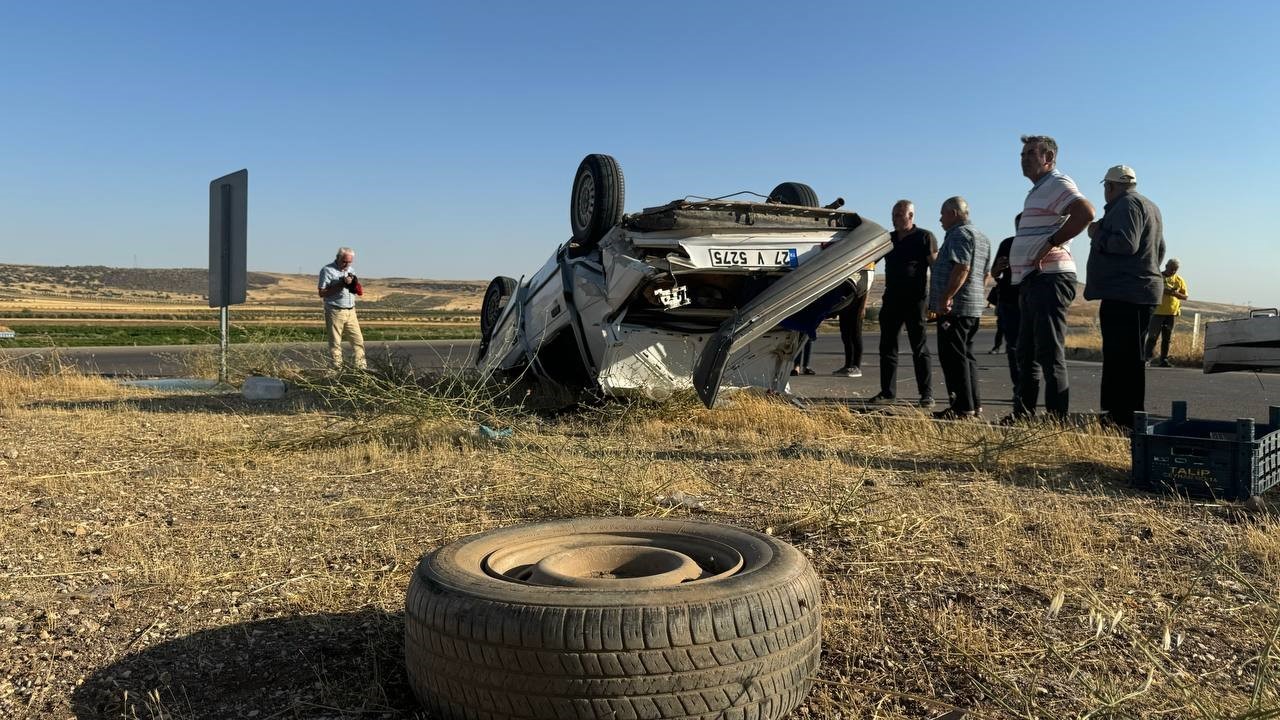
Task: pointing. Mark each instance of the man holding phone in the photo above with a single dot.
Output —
(339, 287)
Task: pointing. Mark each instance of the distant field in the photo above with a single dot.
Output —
(148, 333)
(100, 306)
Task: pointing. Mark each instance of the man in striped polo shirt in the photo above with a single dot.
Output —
(1040, 264)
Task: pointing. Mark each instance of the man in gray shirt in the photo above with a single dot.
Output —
(339, 287)
(1125, 250)
(957, 295)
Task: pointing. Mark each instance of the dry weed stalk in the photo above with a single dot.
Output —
(1181, 350)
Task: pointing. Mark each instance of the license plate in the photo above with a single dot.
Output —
(753, 257)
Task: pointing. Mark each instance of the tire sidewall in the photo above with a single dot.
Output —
(585, 183)
(498, 290)
(767, 562)
(600, 184)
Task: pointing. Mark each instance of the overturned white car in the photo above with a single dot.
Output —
(701, 293)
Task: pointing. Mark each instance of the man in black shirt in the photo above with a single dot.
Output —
(906, 291)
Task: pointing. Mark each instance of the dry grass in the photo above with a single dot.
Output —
(196, 557)
(1087, 341)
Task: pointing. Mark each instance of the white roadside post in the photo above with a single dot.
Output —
(228, 269)
(1195, 332)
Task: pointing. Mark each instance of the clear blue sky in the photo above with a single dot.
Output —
(440, 139)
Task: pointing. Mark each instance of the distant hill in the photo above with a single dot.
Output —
(1209, 311)
(179, 281)
(90, 283)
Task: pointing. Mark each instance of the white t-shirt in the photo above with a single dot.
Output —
(1042, 215)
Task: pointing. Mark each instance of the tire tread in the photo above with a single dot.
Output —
(476, 658)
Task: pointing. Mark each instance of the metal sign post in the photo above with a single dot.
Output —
(228, 268)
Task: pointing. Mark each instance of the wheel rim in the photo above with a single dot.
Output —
(492, 305)
(631, 561)
(584, 205)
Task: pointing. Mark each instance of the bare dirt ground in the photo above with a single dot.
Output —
(182, 556)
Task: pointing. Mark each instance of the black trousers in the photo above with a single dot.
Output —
(896, 313)
(1161, 326)
(959, 366)
(1041, 342)
(851, 319)
(1124, 377)
(806, 352)
(999, 327)
(1011, 317)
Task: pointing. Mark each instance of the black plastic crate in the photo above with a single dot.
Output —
(1221, 459)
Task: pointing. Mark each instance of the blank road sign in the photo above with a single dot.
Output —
(228, 230)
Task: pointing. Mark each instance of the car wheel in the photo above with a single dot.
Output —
(612, 618)
(794, 193)
(496, 296)
(596, 203)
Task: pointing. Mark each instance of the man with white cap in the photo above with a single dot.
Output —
(1125, 250)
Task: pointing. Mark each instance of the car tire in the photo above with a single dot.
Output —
(595, 204)
(496, 297)
(488, 635)
(794, 193)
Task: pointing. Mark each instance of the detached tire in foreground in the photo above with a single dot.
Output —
(613, 618)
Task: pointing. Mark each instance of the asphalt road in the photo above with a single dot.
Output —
(1219, 396)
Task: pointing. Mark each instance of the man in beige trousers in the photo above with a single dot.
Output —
(338, 288)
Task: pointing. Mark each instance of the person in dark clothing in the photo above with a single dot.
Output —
(1125, 250)
(1008, 315)
(802, 359)
(993, 299)
(906, 290)
(851, 319)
